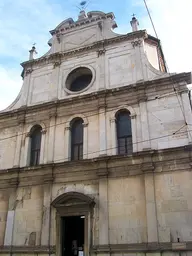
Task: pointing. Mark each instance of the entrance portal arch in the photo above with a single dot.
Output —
(74, 214)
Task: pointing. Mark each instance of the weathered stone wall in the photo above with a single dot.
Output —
(127, 214)
(28, 216)
(130, 207)
(157, 124)
(174, 207)
(113, 66)
(7, 146)
(3, 214)
(140, 203)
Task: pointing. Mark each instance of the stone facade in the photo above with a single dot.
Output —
(133, 205)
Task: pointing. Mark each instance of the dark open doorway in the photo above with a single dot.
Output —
(72, 236)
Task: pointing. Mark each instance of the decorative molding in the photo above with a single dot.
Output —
(143, 99)
(43, 131)
(100, 25)
(67, 128)
(102, 172)
(14, 182)
(147, 167)
(136, 43)
(21, 118)
(137, 164)
(96, 45)
(85, 125)
(133, 116)
(28, 249)
(142, 247)
(48, 179)
(28, 134)
(58, 36)
(73, 196)
(28, 71)
(100, 249)
(73, 25)
(113, 120)
(101, 52)
(56, 64)
(53, 114)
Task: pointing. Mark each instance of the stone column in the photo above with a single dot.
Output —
(46, 220)
(144, 125)
(187, 113)
(103, 205)
(113, 137)
(8, 240)
(102, 131)
(151, 212)
(51, 139)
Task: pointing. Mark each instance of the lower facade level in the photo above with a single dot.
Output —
(135, 205)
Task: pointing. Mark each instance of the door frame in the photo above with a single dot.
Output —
(74, 204)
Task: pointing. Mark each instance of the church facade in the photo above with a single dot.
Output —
(95, 152)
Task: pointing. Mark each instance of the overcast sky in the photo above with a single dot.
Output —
(23, 23)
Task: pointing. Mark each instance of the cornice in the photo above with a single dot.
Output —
(96, 45)
(140, 163)
(84, 22)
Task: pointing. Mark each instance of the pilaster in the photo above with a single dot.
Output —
(113, 137)
(103, 205)
(8, 240)
(67, 153)
(17, 155)
(85, 140)
(144, 124)
(102, 131)
(187, 113)
(51, 138)
(101, 71)
(46, 220)
(151, 212)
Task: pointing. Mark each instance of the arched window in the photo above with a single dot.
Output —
(124, 134)
(35, 145)
(77, 139)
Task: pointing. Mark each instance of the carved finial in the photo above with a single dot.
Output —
(134, 23)
(32, 52)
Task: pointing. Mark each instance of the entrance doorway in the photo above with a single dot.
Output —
(73, 229)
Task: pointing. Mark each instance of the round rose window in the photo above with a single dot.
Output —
(79, 79)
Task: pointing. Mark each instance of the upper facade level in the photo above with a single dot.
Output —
(87, 56)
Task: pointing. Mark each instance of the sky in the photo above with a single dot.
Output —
(23, 23)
